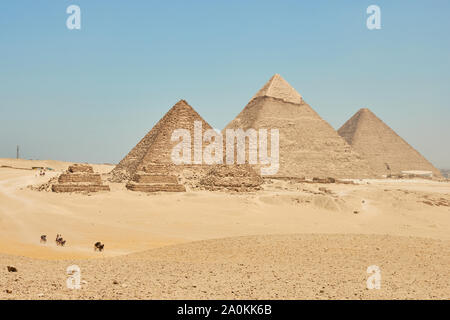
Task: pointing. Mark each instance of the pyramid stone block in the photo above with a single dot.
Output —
(156, 187)
(80, 178)
(150, 178)
(80, 168)
(79, 188)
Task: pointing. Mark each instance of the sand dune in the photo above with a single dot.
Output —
(290, 240)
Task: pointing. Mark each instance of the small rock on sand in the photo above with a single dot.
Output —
(11, 269)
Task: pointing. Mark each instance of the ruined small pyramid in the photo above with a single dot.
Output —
(80, 178)
(309, 146)
(240, 178)
(154, 150)
(386, 152)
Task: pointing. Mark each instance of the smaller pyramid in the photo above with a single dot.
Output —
(80, 178)
(154, 150)
(386, 152)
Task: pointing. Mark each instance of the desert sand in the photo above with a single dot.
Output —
(289, 240)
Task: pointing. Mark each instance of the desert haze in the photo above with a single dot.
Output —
(289, 240)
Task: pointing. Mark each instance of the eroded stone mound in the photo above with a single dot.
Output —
(80, 178)
(241, 178)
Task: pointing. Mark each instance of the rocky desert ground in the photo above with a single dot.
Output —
(290, 240)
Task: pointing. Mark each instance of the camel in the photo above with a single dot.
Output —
(98, 246)
(60, 241)
(11, 269)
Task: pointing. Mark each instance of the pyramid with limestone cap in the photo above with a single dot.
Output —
(308, 145)
(386, 152)
(279, 88)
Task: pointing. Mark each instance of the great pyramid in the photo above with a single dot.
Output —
(309, 146)
(386, 151)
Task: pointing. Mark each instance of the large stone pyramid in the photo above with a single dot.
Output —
(152, 155)
(309, 146)
(386, 152)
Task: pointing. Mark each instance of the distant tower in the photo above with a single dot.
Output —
(17, 154)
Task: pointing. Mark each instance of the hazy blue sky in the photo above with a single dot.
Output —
(92, 94)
